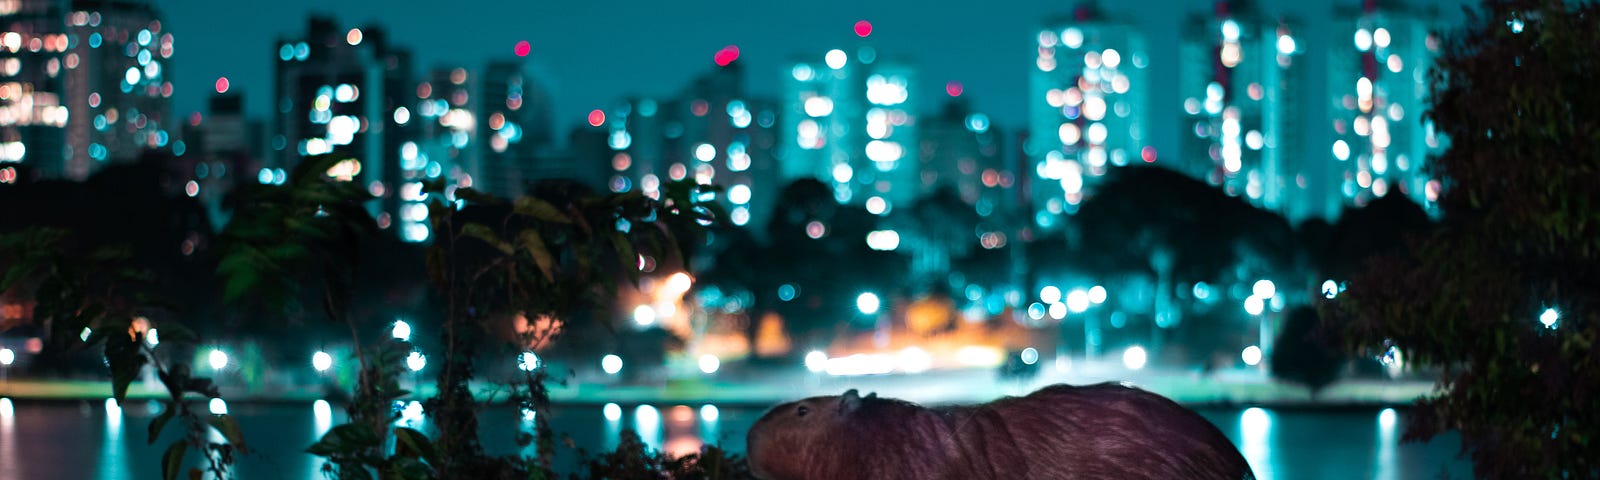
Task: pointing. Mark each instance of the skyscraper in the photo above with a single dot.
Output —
(1243, 92)
(850, 121)
(1378, 72)
(1087, 108)
(33, 115)
(711, 132)
(117, 84)
(344, 92)
(515, 127)
(960, 150)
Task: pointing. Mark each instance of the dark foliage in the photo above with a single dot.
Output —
(1514, 92)
(1300, 356)
(633, 460)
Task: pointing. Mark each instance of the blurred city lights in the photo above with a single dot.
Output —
(218, 406)
(1254, 305)
(7, 356)
(218, 359)
(1264, 289)
(709, 363)
(402, 330)
(1549, 318)
(915, 360)
(321, 361)
(611, 363)
(528, 361)
(522, 48)
(1251, 355)
(416, 361)
(1330, 289)
(1386, 418)
(816, 361)
(1078, 301)
(1097, 294)
(1134, 357)
(867, 303)
(613, 412)
(836, 59)
(1029, 356)
(863, 28)
(709, 413)
(644, 315)
(883, 240)
(1050, 294)
(152, 337)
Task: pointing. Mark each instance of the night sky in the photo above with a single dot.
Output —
(592, 52)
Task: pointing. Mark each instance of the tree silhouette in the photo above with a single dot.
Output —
(1505, 296)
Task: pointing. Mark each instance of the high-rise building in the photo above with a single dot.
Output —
(33, 115)
(446, 128)
(849, 119)
(1088, 108)
(515, 127)
(345, 92)
(960, 150)
(712, 132)
(1378, 73)
(1243, 89)
(117, 83)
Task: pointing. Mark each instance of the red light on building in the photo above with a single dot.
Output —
(863, 28)
(954, 88)
(596, 117)
(523, 48)
(726, 56)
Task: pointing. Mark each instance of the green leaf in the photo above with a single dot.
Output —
(345, 439)
(173, 460)
(160, 422)
(534, 245)
(626, 257)
(414, 444)
(484, 233)
(539, 209)
(124, 358)
(476, 197)
(229, 427)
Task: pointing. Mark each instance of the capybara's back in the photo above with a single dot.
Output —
(1103, 431)
(1059, 432)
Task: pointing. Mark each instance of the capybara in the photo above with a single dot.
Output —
(1062, 431)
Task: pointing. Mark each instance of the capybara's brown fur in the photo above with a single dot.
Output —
(1062, 431)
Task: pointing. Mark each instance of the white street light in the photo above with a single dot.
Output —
(1078, 301)
(1264, 289)
(1251, 355)
(1254, 305)
(321, 361)
(7, 356)
(402, 330)
(710, 363)
(218, 359)
(152, 338)
(611, 364)
(1097, 294)
(528, 361)
(1549, 318)
(1134, 357)
(868, 303)
(416, 361)
(816, 361)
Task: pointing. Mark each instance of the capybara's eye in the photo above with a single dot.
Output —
(802, 411)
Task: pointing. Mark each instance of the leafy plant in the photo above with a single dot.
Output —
(99, 299)
(1504, 298)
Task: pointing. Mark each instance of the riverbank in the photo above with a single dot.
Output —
(959, 386)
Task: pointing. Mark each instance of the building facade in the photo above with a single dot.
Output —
(1244, 93)
(33, 111)
(850, 120)
(1378, 83)
(1088, 105)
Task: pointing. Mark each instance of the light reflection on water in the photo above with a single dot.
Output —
(1255, 440)
(112, 460)
(1334, 444)
(1386, 469)
(8, 441)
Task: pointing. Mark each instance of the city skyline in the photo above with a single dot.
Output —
(586, 70)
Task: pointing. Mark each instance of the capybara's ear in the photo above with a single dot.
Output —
(870, 396)
(849, 401)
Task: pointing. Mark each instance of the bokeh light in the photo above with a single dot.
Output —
(863, 28)
(522, 48)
